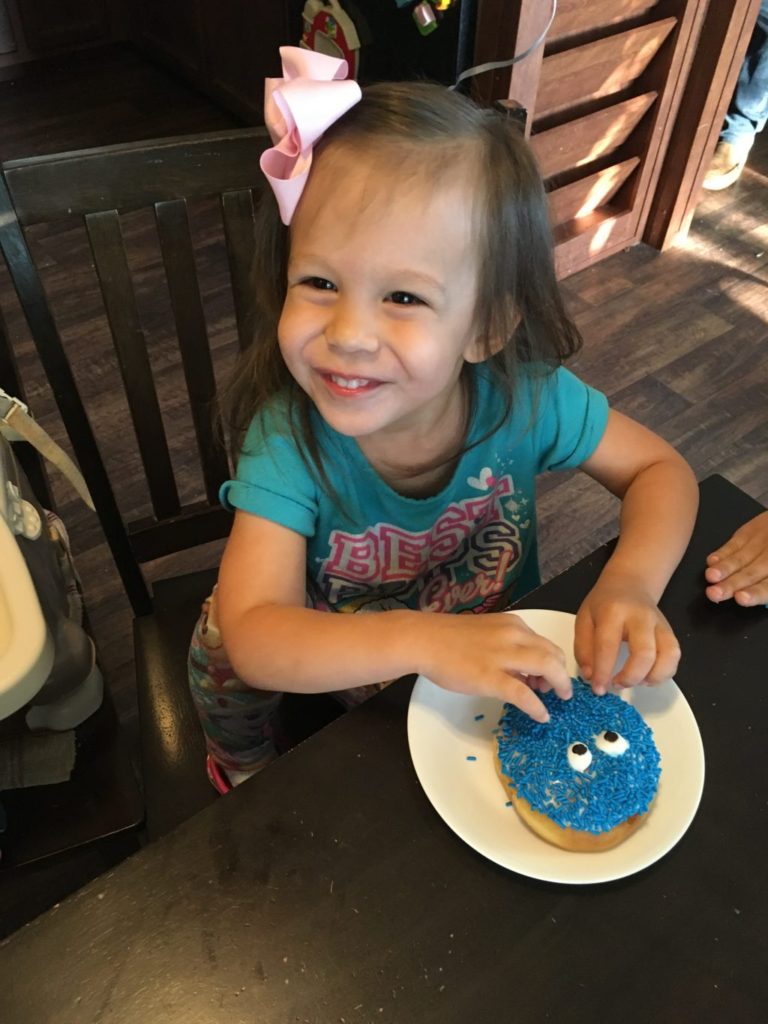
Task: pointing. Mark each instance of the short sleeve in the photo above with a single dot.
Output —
(571, 421)
(273, 480)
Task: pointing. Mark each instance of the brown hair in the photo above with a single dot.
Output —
(518, 297)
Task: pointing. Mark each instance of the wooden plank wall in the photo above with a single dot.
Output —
(601, 96)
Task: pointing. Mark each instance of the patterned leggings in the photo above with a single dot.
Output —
(241, 725)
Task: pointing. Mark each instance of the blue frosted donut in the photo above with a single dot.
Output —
(591, 767)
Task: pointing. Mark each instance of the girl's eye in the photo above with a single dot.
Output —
(579, 756)
(319, 283)
(611, 743)
(405, 299)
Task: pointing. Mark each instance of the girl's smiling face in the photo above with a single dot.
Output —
(379, 313)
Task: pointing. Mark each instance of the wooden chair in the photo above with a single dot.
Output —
(218, 174)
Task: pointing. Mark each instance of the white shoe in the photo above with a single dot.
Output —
(727, 164)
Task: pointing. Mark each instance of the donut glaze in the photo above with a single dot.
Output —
(590, 769)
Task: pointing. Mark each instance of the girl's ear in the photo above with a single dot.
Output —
(478, 350)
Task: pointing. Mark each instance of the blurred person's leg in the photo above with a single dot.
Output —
(747, 112)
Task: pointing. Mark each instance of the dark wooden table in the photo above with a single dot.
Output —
(328, 889)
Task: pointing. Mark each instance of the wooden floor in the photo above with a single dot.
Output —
(679, 340)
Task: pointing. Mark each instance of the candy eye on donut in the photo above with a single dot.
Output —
(579, 756)
(611, 743)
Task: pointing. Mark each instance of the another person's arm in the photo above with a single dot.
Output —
(739, 569)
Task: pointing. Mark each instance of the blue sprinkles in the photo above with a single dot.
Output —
(471, 757)
(534, 756)
(479, 718)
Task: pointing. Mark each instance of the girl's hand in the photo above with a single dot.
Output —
(495, 655)
(616, 610)
(739, 569)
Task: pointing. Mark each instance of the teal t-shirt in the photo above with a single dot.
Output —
(470, 547)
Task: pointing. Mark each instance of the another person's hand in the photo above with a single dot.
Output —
(495, 655)
(617, 610)
(739, 569)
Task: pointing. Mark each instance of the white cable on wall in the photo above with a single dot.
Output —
(495, 65)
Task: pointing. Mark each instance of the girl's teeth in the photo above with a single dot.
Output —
(351, 383)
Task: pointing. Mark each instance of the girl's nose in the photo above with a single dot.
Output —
(351, 330)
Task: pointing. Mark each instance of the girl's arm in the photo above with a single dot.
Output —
(275, 643)
(659, 502)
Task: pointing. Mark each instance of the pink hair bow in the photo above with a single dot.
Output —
(298, 108)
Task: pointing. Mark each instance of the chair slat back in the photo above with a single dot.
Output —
(184, 288)
(103, 187)
(111, 262)
(237, 210)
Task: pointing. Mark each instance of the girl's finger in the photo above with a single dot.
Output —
(607, 642)
(534, 643)
(583, 643)
(541, 659)
(538, 683)
(549, 667)
(515, 691)
(667, 656)
(641, 641)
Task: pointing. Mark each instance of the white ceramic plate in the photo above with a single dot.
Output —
(447, 730)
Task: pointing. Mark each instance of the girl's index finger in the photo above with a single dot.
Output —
(606, 645)
(541, 659)
(583, 644)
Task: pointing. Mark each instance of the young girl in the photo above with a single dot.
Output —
(402, 393)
